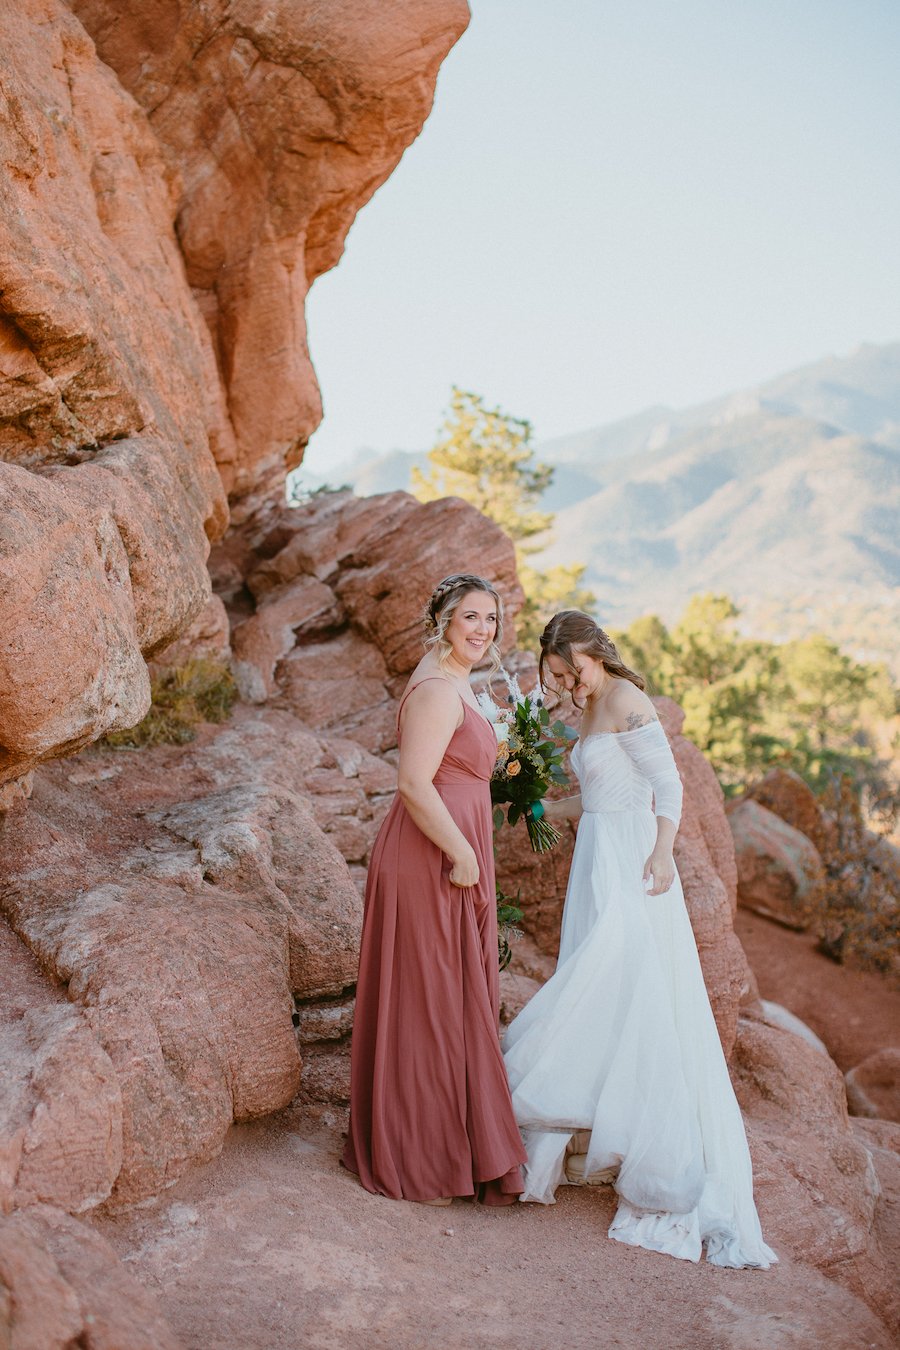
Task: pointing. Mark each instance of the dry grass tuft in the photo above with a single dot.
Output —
(182, 698)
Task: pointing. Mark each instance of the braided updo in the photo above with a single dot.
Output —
(442, 605)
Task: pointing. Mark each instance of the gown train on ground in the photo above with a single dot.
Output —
(615, 1065)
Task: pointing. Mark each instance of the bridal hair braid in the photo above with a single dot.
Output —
(445, 599)
(570, 628)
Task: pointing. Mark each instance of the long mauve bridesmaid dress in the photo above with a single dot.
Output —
(430, 1109)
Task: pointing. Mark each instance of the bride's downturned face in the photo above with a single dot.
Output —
(473, 627)
(584, 678)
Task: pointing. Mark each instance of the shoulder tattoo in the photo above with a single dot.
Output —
(638, 719)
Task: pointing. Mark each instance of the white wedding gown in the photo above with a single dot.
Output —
(621, 1041)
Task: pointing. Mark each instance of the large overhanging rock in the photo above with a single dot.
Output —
(282, 118)
(109, 404)
(154, 260)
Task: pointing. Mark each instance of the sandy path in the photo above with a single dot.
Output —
(274, 1247)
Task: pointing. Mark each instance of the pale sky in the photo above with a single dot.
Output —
(617, 203)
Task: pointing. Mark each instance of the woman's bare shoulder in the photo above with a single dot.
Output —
(630, 707)
(436, 688)
(432, 695)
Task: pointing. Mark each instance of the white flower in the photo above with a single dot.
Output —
(501, 731)
(535, 699)
(488, 706)
(512, 684)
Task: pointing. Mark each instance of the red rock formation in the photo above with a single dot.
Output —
(104, 387)
(815, 1182)
(780, 873)
(61, 1117)
(873, 1087)
(340, 585)
(787, 795)
(134, 362)
(281, 121)
(61, 1285)
(183, 897)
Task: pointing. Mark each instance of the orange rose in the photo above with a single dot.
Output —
(513, 768)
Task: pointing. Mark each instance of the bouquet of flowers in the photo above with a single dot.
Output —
(529, 760)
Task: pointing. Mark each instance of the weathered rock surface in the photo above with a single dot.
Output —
(62, 1285)
(60, 1104)
(208, 637)
(339, 586)
(281, 122)
(815, 1182)
(184, 896)
(124, 377)
(774, 1015)
(104, 386)
(873, 1087)
(789, 797)
(780, 873)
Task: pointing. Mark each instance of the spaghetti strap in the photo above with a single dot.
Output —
(425, 681)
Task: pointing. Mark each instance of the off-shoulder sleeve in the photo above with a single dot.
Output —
(649, 749)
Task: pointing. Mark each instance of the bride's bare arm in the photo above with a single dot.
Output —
(430, 717)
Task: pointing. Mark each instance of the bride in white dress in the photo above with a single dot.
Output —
(615, 1065)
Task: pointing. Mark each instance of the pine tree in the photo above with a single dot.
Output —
(486, 457)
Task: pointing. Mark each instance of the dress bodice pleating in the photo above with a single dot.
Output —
(610, 780)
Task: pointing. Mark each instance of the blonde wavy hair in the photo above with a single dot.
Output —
(445, 600)
(571, 629)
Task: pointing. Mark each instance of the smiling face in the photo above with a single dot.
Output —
(472, 628)
(583, 679)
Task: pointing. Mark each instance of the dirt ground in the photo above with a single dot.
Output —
(273, 1246)
(855, 1012)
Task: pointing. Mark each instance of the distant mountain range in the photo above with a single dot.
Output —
(785, 496)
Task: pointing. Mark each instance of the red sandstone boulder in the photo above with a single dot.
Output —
(62, 1285)
(185, 896)
(300, 609)
(104, 386)
(789, 797)
(873, 1087)
(815, 1183)
(279, 123)
(62, 572)
(340, 585)
(60, 1103)
(208, 638)
(109, 383)
(780, 873)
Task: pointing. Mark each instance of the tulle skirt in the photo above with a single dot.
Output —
(616, 1067)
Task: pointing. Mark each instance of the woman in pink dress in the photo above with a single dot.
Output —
(430, 1110)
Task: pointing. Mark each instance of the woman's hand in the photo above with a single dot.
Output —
(660, 866)
(465, 871)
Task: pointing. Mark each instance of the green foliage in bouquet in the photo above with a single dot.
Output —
(508, 915)
(529, 763)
